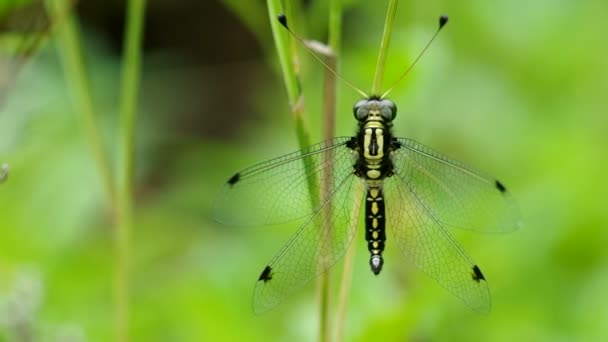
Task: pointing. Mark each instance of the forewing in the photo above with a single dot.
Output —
(424, 241)
(279, 190)
(318, 244)
(456, 195)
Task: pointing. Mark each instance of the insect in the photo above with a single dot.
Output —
(400, 185)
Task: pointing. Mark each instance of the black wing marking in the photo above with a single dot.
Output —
(279, 190)
(423, 240)
(457, 195)
(319, 243)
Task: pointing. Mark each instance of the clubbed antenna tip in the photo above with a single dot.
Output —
(443, 19)
(283, 20)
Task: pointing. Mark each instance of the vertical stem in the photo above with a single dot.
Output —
(347, 270)
(287, 57)
(335, 26)
(80, 90)
(386, 39)
(281, 41)
(128, 113)
(288, 60)
(329, 127)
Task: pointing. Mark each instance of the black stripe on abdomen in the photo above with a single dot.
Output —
(375, 233)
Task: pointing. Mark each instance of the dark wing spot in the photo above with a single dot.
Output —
(500, 187)
(477, 275)
(266, 274)
(234, 179)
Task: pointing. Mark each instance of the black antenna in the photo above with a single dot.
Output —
(283, 20)
(443, 19)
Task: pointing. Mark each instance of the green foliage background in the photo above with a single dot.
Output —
(515, 88)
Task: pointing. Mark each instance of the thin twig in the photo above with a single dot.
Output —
(82, 95)
(386, 39)
(130, 89)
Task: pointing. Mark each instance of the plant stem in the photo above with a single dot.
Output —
(281, 42)
(128, 113)
(329, 127)
(335, 26)
(80, 89)
(347, 270)
(287, 58)
(386, 39)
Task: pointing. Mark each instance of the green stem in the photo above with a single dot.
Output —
(347, 270)
(329, 127)
(287, 56)
(128, 113)
(281, 41)
(335, 26)
(386, 39)
(80, 88)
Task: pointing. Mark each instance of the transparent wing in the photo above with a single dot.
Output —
(23, 26)
(455, 194)
(279, 190)
(319, 243)
(423, 240)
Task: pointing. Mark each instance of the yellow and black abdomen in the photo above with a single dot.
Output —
(375, 232)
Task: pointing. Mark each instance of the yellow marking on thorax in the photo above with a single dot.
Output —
(380, 141)
(369, 128)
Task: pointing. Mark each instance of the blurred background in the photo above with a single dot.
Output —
(515, 88)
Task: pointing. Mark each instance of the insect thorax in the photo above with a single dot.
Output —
(374, 143)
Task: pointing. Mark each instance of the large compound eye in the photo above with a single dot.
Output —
(388, 110)
(360, 110)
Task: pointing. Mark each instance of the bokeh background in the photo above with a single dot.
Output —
(516, 88)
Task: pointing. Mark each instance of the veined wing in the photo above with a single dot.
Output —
(319, 243)
(23, 26)
(455, 194)
(423, 240)
(279, 190)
